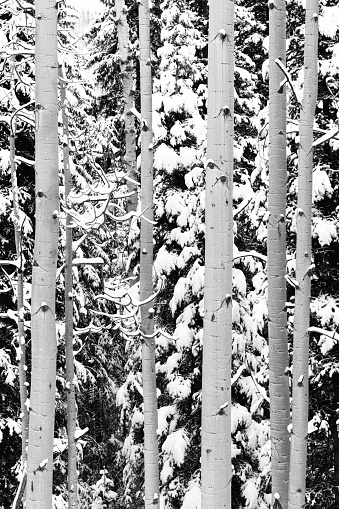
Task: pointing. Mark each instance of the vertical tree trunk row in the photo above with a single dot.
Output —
(21, 338)
(126, 67)
(297, 480)
(146, 264)
(216, 469)
(276, 262)
(43, 381)
(70, 371)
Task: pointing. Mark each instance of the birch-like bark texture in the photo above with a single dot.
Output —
(72, 478)
(216, 469)
(297, 480)
(126, 67)
(42, 400)
(21, 337)
(276, 258)
(146, 264)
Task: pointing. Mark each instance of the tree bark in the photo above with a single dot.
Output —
(297, 479)
(216, 469)
(21, 337)
(146, 265)
(126, 67)
(70, 371)
(42, 403)
(276, 259)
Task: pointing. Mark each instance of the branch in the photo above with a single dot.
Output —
(242, 206)
(326, 137)
(330, 334)
(88, 261)
(254, 254)
(288, 78)
(20, 491)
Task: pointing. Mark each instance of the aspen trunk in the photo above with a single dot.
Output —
(126, 67)
(146, 265)
(297, 479)
(21, 339)
(70, 371)
(42, 402)
(276, 262)
(216, 470)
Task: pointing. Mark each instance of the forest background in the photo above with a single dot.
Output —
(108, 362)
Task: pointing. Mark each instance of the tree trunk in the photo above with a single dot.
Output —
(70, 371)
(276, 259)
(297, 479)
(126, 67)
(21, 338)
(44, 348)
(335, 430)
(146, 265)
(216, 470)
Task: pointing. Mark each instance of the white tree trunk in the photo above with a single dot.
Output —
(126, 67)
(42, 400)
(72, 480)
(297, 480)
(216, 470)
(146, 265)
(276, 259)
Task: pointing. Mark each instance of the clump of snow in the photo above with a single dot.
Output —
(325, 230)
(179, 387)
(193, 177)
(321, 185)
(239, 415)
(192, 498)
(239, 281)
(175, 445)
(179, 293)
(164, 415)
(329, 21)
(165, 158)
(187, 156)
(185, 335)
(250, 493)
(165, 261)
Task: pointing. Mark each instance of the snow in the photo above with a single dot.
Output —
(165, 261)
(325, 230)
(185, 335)
(250, 493)
(179, 293)
(175, 446)
(187, 156)
(192, 498)
(198, 279)
(179, 387)
(164, 414)
(329, 21)
(239, 415)
(321, 185)
(193, 177)
(239, 281)
(165, 158)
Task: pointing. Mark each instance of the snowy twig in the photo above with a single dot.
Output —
(261, 390)
(20, 491)
(288, 78)
(237, 375)
(254, 254)
(330, 334)
(88, 261)
(242, 206)
(326, 137)
(24, 160)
